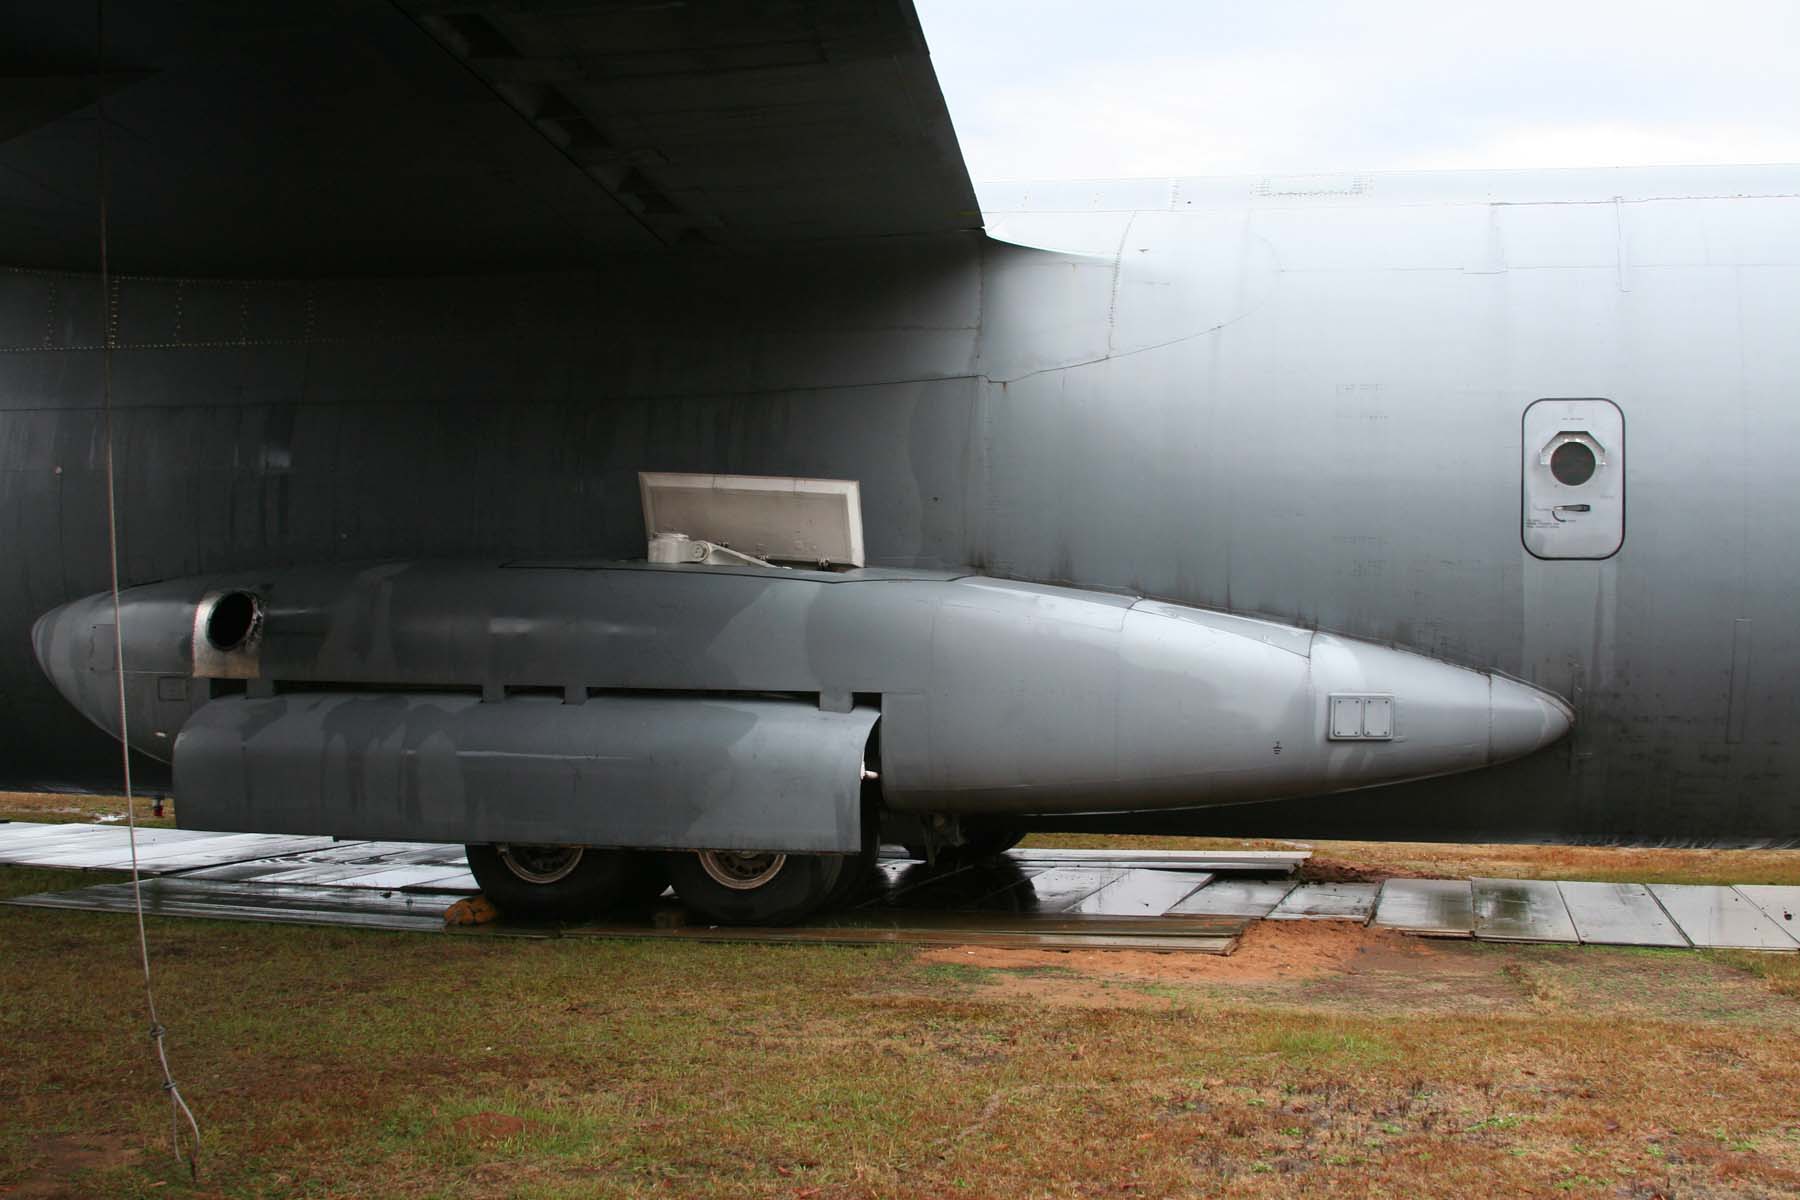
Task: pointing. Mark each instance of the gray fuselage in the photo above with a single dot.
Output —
(1295, 399)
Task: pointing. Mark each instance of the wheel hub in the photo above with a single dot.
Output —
(540, 864)
(741, 871)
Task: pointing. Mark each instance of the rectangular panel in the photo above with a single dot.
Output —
(1521, 910)
(1780, 903)
(775, 517)
(1378, 717)
(1574, 478)
(1139, 894)
(1619, 914)
(1346, 716)
(1328, 902)
(1433, 907)
(673, 772)
(1234, 898)
(1719, 918)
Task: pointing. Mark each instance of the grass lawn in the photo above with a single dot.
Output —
(1316, 1061)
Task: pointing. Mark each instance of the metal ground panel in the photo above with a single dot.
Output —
(1054, 890)
(1328, 902)
(176, 897)
(1140, 894)
(1521, 910)
(1779, 902)
(1250, 898)
(366, 909)
(1428, 907)
(1720, 918)
(1619, 914)
(1256, 862)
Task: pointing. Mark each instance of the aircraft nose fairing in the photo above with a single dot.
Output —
(1523, 719)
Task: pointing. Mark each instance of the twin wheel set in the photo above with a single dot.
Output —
(725, 887)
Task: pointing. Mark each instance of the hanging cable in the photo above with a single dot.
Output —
(178, 1108)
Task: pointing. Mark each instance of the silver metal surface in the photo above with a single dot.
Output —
(1235, 898)
(1429, 907)
(1521, 910)
(1780, 903)
(1328, 902)
(1720, 918)
(1619, 914)
(1138, 894)
(1058, 889)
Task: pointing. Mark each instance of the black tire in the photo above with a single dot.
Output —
(558, 883)
(986, 843)
(772, 889)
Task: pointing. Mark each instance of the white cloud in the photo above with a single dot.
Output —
(1193, 87)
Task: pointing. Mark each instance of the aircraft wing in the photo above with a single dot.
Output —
(357, 137)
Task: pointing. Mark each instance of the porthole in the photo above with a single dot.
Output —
(1573, 464)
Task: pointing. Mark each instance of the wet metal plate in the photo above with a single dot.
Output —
(1780, 903)
(268, 903)
(1328, 902)
(1139, 894)
(1051, 891)
(1430, 907)
(1719, 918)
(1521, 910)
(1235, 898)
(1619, 914)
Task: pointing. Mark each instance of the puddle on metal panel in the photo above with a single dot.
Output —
(1235, 897)
(1053, 890)
(1521, 910)
(1432, 907)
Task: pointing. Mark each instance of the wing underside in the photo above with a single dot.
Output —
(425, 136)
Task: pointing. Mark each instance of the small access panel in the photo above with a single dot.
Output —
(1574, 478)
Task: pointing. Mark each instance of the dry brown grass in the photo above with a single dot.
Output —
(1380, 860)
(55, 807)
(329, 1062)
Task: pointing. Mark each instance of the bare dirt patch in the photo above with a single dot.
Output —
(1271, 952)
(64, 1160)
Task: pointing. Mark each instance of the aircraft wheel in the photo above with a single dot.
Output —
(756, 888)
(563, 883)
(985, 843)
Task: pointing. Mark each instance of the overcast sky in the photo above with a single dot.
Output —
(1067, 89)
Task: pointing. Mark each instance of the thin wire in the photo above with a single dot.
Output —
(178, 1108)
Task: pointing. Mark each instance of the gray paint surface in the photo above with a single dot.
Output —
(385, 701)
(725, 773)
